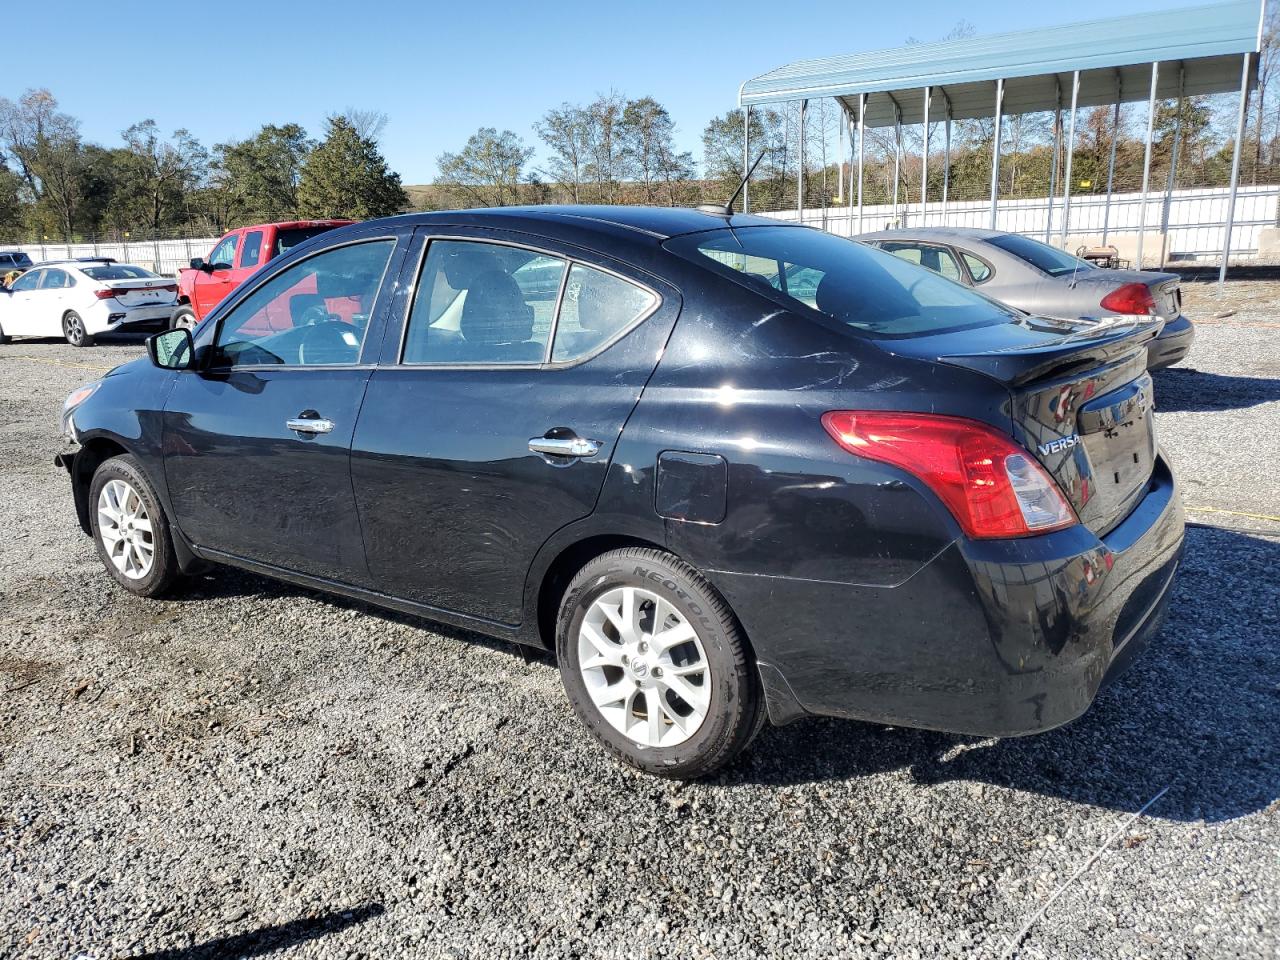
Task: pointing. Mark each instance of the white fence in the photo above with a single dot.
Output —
(1195, 219)
(165, 257)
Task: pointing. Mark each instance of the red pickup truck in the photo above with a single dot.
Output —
(233, 258)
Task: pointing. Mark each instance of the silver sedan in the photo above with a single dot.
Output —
(1043, 280)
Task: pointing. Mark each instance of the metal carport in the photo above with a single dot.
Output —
(1152, 56)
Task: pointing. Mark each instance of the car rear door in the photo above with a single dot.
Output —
(257, 439)
(491, 421)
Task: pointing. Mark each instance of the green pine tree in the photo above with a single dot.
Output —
(346, 176)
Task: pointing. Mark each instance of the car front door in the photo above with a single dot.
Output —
(491, 422)
(22, 315)
(257, 438)
(931, 256)
(215, 281)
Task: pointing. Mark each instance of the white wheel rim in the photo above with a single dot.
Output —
(124, 528)
(644, 667)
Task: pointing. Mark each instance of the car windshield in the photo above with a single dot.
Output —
(117, 271)
(1051, 260)
(850, 282)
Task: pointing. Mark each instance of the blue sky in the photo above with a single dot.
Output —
(442, 70)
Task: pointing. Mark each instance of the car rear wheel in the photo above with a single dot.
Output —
(73, 329)
(655, 665)
(130, 529)
(183, 317)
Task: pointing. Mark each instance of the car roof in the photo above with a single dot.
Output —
(940, 234)
(657, 223)
(74, 262)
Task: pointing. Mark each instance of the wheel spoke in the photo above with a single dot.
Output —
(607, 653)
(654, 709)
(142, 524)
(695, 697)
(604, 695)
(682, 632)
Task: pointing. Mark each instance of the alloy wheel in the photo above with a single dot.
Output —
(73, 328)
(125, 529)
(644, 667)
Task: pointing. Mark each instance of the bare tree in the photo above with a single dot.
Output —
(488, 169)
(563, 130)
(368, 124)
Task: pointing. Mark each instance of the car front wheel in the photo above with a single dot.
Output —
(73, 329)
(130, 529)
(655, 665)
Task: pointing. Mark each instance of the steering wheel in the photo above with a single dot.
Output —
(315, 314)
(329, 341)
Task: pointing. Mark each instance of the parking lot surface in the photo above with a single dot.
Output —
(250, 767)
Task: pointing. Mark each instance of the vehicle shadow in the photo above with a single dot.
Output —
(1199, 710)
(266, 940)
(1179, 389)
(228, 582)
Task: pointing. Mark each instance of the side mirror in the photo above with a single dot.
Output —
(172, 350)
(197, 263)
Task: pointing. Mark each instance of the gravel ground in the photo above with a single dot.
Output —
(253, 768)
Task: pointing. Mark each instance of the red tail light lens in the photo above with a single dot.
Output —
(991, 485)
(1131, 298)
(105, 293)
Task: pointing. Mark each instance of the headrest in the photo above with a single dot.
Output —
(495, 311)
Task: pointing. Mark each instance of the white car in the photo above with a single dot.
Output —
(79, 299)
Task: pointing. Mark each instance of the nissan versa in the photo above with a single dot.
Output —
(730, 470)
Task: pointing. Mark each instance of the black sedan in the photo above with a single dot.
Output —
(732, 470)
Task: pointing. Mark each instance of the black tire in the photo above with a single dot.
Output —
(184, 316)
(164, 571)
(736, 708)
(73, 329)
(4, 337)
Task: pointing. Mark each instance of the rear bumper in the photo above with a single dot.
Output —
(1173, 344)
(111, 318)
(993, 638)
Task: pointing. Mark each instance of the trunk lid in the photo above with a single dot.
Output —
(1080, 400)
(142, 293)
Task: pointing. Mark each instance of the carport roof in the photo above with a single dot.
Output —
(1206, 42)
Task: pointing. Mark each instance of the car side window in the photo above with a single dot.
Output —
(224, 253)
(978, 269)
(597, 306)
(28, 281)
(251, 252)
(483, 303)
(314, 312)
(56, 280)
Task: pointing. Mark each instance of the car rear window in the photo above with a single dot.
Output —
(858, 285)
(1051, 260)
(117, 271)
(291, 237)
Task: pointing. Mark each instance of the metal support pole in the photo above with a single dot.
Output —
(946, 157)
(862, 141)
(924, 171)
(746, 158)
(897, 156)
(1235, 170)
(1111, 164)
(1173, 169)
(804, 109)
(995, 151)
(844, 116)
(1053, 160)
(1146, 163)
(1066, 167)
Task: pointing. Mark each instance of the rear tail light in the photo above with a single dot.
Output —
(106, 293)
(991, 485)
(1131, 298)
(168, 287)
